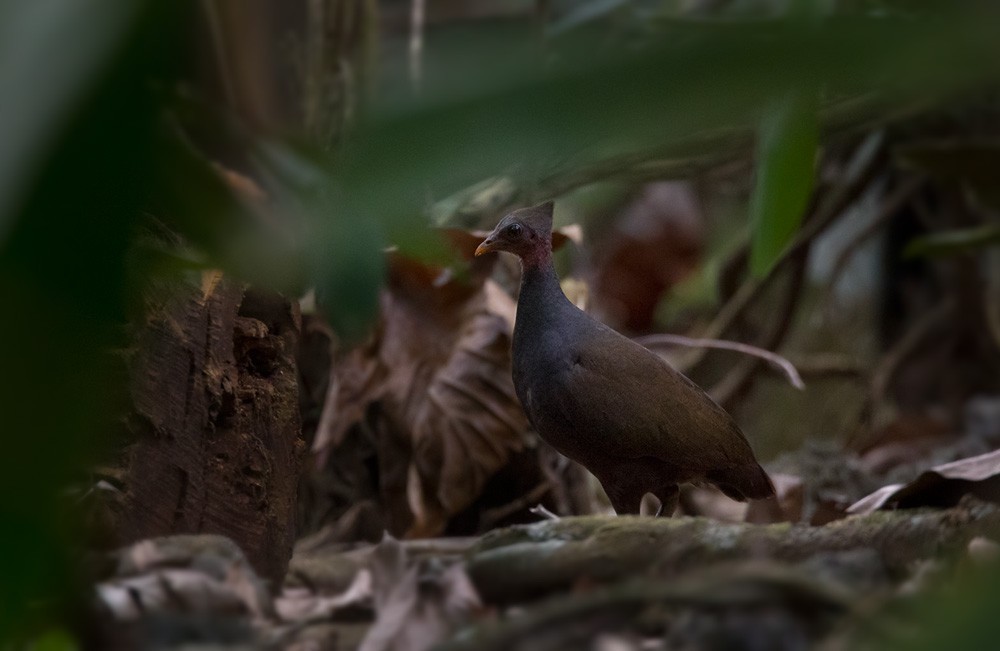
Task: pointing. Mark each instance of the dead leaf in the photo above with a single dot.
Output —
(435, 386)
(908, 438)
(941, 486)
(417, 605)
(655, 243)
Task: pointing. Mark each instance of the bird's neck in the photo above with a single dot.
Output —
(540, 291)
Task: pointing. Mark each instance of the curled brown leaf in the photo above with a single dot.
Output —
(436, 379)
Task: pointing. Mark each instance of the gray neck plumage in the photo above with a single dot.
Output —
(540, 298)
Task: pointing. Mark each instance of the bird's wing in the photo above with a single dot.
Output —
(616, 388)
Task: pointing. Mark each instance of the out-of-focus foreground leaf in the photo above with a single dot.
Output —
(960, 614)
(788, 139)
(52, 54)
(292, 234)
(76, 126)
(343, 252)
(486, 109)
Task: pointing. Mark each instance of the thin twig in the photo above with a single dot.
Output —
(823, 365)
(491, 517)
(789, 370)
(543, 512)
(891, 362)
(738, 381)
(906, 346)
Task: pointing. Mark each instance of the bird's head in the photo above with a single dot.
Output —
(527, 233)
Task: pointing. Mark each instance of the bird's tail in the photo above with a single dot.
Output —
(743, 482)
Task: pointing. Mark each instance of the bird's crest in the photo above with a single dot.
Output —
(538, 218)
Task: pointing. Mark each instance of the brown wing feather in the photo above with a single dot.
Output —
(651, 411)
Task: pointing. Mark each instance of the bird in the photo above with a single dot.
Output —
(605, 401)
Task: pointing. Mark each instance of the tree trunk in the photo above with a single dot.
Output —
(215, 419)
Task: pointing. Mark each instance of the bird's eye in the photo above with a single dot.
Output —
(514, 230)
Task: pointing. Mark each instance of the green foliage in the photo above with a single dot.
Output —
(959, 614)
(47, 38)
(344, 251)
(76, 158)
(54, 640)
(953, 242)
(491, 109)
(788, 140)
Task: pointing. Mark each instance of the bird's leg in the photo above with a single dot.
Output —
(668, 496)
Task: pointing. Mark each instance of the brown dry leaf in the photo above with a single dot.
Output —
(908, 438)
(416, 605)
(655, 243)
(940, 486)
(438, 373)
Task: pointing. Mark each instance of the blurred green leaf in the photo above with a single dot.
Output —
(957, 614)
(243, 235)
(490, 110)
(54, 640)
(349, 276)
(52, 53)
(786, 159)
(344, 251)
(953, 242)
(77, 124)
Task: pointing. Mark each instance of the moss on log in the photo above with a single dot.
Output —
(530, 561)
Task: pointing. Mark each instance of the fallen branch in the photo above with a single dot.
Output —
(526, 562)
(573, 621)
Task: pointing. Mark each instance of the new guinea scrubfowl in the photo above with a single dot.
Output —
(605, 401)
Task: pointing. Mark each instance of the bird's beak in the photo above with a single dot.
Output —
(485, 247)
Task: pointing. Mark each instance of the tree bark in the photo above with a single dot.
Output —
(215, 419)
